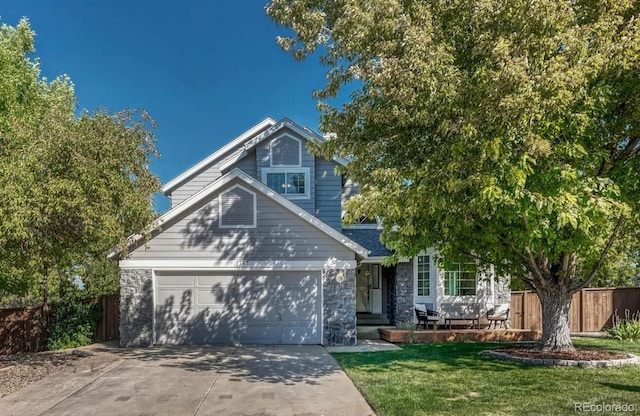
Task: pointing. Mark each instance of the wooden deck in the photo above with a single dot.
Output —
(440, 335)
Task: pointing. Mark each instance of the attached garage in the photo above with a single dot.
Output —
(237, 307)
(237, 263)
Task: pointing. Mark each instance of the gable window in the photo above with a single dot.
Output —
(292, 182)
(363, 223)
(460, 280)
(285, 151)
(424, 279)
(237, 208)
(286, 175)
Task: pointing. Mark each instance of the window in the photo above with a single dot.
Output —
(292, 182)
(285, 151)
(237, 208)
(286, 176)
(424, 282)
(363, 223)
(460, 280)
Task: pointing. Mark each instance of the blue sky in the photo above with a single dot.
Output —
(205, 70)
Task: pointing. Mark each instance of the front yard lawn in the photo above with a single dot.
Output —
(454, 379)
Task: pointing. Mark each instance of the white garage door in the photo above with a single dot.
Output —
(254, 307)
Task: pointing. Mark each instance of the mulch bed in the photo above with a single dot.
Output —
(580, 354)
(19, 370)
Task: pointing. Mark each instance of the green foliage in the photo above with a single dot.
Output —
(100, 276)
(627, 328)
(411, 327)
(72, 186)
(72, 323)
(504, 131)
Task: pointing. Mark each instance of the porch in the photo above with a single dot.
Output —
(397, 335)
(374, 294)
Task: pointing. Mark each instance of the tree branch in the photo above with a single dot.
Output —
(505, 242)
(476, 257)
(528, 279)
(533, 266)
(603, 255)
(630, 150)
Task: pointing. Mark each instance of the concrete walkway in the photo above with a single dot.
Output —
(366, 345)
(194, 380)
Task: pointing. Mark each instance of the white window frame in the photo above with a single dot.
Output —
(271, 145)
(255, 208)
(360, 226)
(459, 270)
(417, 274)
(307, 180)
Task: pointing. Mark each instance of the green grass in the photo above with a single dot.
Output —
(454, 379)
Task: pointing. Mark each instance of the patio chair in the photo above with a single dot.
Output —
(499, 313)
(425, 314)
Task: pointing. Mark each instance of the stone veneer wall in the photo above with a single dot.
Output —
(403, 302)
(339, 308)
(389, 278)
(502, 290)
(136, 307)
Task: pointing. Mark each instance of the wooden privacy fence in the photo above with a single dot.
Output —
(108, 328)
(591, 309)
(21, 329)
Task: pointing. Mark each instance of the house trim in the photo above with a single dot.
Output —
(304, 132)
(253, 201)
(192, 264)
(204, 193)
(279, 137)
(172, 184)
(288, 170)
(252, 137)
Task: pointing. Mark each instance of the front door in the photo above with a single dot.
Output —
(375, 291)
(369, 289)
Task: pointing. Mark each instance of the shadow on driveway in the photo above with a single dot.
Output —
(272, 364)
(195, 380)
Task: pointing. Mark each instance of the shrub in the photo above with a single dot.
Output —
(626, 329)
(72, 323)
(410, 326)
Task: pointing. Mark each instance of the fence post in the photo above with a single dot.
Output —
(524, 310)
(104, 318)
(582, 310)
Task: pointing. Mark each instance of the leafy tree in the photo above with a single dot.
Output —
(622, 266)
(505, 131)
(100, 276)
(71, 186)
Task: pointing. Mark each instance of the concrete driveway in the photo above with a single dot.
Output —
(194, 380)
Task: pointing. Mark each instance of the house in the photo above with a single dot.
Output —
(253, 250)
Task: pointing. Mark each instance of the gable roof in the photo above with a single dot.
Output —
(219, 154)
(369, 238)
(186, 205)
(239, 147)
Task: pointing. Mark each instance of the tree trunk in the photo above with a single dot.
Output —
(555, 300)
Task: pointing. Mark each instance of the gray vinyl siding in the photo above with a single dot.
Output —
(348, 190)
(247, 164)
(328, 189)
(308, 161)
(194, 184)
(279, 235)
(212, 172)
(237, 206)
